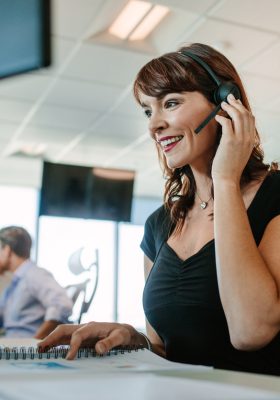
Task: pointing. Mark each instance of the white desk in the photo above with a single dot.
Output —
(131, 376)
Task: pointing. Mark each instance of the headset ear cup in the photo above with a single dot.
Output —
(223, 90)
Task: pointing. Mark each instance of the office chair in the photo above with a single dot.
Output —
(82, 293)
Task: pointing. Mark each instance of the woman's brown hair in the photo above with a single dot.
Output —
(174, 72)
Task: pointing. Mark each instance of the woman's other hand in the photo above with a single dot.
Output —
(103, 336)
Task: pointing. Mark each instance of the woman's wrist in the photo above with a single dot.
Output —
(138, 338)
(147, 343)
(225, 183)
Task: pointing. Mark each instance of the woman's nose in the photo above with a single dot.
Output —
(157, 123)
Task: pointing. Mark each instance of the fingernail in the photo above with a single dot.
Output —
(231, 96)
(100, 348)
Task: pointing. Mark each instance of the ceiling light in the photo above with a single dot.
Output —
(149, 23)
(129, 18)
(33, 149)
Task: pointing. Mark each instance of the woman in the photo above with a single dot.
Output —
(212, 263)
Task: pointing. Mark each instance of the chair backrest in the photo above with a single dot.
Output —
(82, 293)
(77, 293)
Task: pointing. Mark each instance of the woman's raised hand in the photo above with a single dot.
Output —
(237, 141)
(103, 336)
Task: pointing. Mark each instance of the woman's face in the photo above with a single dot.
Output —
(172, 121)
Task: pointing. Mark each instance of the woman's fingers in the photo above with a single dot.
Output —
(117, 337)
(225, 123)
(105, 336)
(242, 120)
(77, 338)
(60, 335)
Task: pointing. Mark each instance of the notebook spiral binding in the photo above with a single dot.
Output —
(32, 353)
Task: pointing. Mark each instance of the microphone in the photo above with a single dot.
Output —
(208, 118)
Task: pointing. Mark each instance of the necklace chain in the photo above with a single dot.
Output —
(203, 204)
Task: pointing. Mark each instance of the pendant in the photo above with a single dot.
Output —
(203, 205)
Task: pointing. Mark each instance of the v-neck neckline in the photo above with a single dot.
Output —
(212, 241)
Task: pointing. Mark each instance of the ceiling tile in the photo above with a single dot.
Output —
(39, 134)
(6, 131)
(63, 117)
(105, 16)
(24, 87)
(258, 14)
(189, 5)
(13, 110)
(267, 64)
(82, 94)
(241, 43)
(103, 140)
(61, 50)
(117, 129)
(260, 90)
(91, 155)
(129, 106)
(104, 64)
(71, 17)
(167, 37)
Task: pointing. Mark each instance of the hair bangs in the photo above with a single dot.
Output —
(164, 75)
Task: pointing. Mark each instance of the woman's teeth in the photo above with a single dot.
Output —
(167, 142)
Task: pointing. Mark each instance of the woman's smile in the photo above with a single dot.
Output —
(169, 142)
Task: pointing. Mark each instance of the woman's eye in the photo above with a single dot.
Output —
(171, 103)
(148, 113)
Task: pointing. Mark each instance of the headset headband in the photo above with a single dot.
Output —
(203, 65)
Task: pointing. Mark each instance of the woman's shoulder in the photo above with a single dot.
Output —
(274, 178)
(158, 216)
(268, 194)
(269, 180)
(271, 183)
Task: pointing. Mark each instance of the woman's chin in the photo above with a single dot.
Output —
(173, 164)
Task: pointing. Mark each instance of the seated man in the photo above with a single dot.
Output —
(34, 303)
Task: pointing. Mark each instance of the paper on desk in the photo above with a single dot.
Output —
(129, 386)
(134, 361)
(18, 342)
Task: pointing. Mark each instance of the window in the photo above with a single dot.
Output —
(131, 276)
(59, 238)
(19, 206)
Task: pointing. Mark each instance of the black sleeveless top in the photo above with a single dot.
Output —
(181, 298)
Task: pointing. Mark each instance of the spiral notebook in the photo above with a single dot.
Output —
(23, 355)
(29, 349)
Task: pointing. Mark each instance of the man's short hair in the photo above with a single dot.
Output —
(18, 239)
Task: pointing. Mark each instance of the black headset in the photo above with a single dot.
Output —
(221, 92)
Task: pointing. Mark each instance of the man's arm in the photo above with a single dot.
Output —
(54, 299)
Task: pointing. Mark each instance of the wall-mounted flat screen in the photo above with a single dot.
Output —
(86, 192)
(24, 36)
